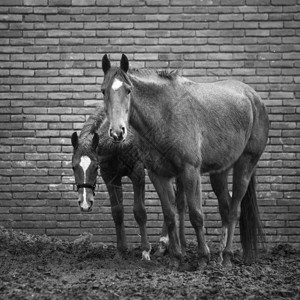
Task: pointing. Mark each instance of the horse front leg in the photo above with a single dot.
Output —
(114, 187)
(165, 190)
(138, 180)
(191, 182)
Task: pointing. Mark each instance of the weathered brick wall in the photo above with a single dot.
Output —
(50, 72)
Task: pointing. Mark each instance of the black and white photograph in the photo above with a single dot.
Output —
(149, 149)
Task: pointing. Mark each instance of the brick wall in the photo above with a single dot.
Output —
(50, 75)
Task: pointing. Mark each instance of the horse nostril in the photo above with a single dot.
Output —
(123, 130)
(113, 135)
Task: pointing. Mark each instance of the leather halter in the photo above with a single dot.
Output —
(87, 185)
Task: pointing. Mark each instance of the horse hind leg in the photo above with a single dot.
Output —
(243, 196)
(181, 208)
(219, 185)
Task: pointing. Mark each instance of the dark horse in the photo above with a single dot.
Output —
(93, 148)
(185, 129)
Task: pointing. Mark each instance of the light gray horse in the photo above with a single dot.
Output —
(185, 129)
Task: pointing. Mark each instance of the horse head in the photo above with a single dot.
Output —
(85, 167)
(116, 89)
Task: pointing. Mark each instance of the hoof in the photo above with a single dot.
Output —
(174, 264)
(146, 255)
(249, 259)
(120, 255)
(160, 251)
(226, 263)
(186, 267)
(162, 247)
(203, 262)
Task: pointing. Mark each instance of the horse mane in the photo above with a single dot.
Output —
(160, 74)
(168, 74)
(93, 123)
(89, 128)
(144, 75)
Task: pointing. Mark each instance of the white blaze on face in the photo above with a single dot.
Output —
(85, 162)
(116, 84)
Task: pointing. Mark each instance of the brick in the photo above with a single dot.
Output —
(34, 18)
(71, 72)
(48, 164)
(282, 2)
(83, 2)
(58, 231)
(187, 2)
(11, 2)
(10, 18)
(49, 149)
(35, 2)
(45, 10)
(157, 2)
(60, 3)
(60, 126)
(120, 10)
(108, 2)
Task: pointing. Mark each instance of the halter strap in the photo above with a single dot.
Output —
(87, 185)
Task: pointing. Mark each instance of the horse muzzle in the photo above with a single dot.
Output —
(86, 200)
(118, 135)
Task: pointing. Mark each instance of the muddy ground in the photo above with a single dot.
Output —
(39, 267)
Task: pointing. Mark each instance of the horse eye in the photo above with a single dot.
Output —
(128, 92)
(103, 92)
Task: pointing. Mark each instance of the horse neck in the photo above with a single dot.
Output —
(144, 113)
(139, 119)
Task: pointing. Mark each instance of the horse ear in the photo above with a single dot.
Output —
(74, 140)
(95, 141)
(124, 63)
(105, 63)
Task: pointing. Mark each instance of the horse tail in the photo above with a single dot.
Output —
(251, 231)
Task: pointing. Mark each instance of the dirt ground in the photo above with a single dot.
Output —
(39, 267)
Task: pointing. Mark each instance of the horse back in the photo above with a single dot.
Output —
(218, 118)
